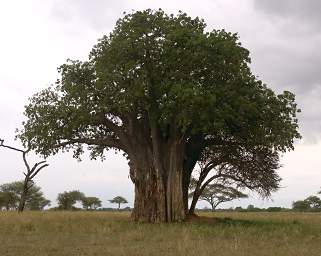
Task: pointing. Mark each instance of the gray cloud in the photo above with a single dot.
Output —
(305, 12)
(289, 58)
(291, 54)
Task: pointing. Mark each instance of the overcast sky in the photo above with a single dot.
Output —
(284, 38)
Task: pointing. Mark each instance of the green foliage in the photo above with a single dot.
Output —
(8, 200)
(274, 209)
(311, 203)
(67, 199)
(163, 70)
(250, 207)
(301, 205)
(37, 202)
(10, 194)
(314, 202)
(91, 203)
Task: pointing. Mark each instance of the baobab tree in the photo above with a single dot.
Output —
(161, 89)
(29, 174)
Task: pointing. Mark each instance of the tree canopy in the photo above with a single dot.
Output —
(311, 203)
(162, 89)
(10, 194)
(8, 200)
(118, 200)
(68, 199)
(91, 203)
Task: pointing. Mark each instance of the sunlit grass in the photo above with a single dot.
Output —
(105, 233)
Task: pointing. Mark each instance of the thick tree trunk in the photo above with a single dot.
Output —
(158, 187)
(150, 203)
(174, 188)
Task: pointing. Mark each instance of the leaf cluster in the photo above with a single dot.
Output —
(311, 203)
(118, 200)
(91, 203)
(67, 199)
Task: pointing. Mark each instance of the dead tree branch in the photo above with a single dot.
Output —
(29, 175)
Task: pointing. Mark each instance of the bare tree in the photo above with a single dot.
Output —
(217, 193)
(29, 174)
(254, 169)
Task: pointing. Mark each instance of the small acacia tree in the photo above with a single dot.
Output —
(162, 89)
(217, 193)
(118, 200)
(91, 203)
(311, 203)
(314, 202)
(67, 199)
(301, 205)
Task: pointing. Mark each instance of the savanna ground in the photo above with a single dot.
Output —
(107, 233)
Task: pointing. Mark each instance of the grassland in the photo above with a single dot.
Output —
(103, 233)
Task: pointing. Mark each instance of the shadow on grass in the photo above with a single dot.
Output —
(230, 222)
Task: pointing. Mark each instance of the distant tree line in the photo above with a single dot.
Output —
(10, 197)
(310, 204)
(68, 199)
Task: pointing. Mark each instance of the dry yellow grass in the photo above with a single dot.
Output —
(103, 233)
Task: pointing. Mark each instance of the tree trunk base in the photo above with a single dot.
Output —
(149, 203)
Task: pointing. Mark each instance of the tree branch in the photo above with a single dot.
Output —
(13, 148)
(39, 169)
(107, 142)
(24, 152)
